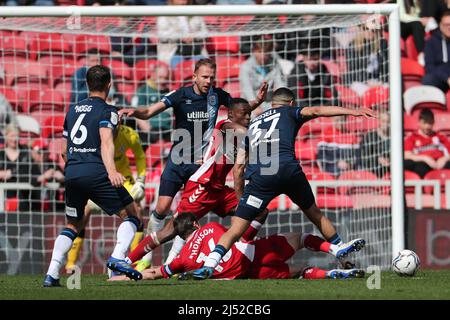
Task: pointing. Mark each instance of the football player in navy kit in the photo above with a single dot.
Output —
(273, 170)
(195, 108)
(90, 173)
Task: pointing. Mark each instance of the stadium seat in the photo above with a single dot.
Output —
(183, 72)
(367, 201)
(143, 69)
(361, 125)
(49, 44)
(322, 176)
(438, 174)
(441, 120)
(24, 71)
(13, 96)
(357, 175)
(84, 43)
(226, 23)
(411, 69)
(65, 89)
(332, 201)
(410, 122)
(13, 45)
(12, 204)
(61, 71)
(44, 100)
(227, 69)
(127, 89)
(41, 116)
(408, 175)
(376, 96)
(119, 69)
(347, 96)
(28, 127)
(411, 51)
(223, 45)
(233, 88)
(156, 151)
(424, 97)
(333, 69)
(53, 127)
(306, 150)
(316, 126)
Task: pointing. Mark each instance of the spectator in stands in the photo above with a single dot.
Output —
(437, 56)
(16, 166)
(79, 84)
(44, 169)
(262, 65)
(425, 149)
(311, 79)
(375, 147)
(173, 50)
(338, 148)
(30, 2)
(158, 127)
(367, 60)
(413, 22)
(7, 115)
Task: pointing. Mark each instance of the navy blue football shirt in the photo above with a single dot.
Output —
(196, 115)
(82, 131)
(271, 137)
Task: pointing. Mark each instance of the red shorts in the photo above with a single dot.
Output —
(270, 258)
(200, 199)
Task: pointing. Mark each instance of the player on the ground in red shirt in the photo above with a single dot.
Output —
(206, 190)
(263, 258)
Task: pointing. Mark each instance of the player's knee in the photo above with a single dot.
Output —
(134, 220)
(91, 208)
(75, 225)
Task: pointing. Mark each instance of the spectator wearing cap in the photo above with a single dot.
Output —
(426, 149)
(311, 79)
(262, 65)
(158, 127)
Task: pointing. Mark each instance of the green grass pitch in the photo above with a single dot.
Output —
(425, 285)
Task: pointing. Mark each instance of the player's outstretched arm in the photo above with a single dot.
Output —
(145, 112)
(107, 152)
(329, 111)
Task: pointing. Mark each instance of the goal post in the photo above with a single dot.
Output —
(70, 21)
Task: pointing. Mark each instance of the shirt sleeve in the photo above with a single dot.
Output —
(109, 119)
(296, 113)
(409, 143)
(224, 98)
(172, 99)
(65, 133)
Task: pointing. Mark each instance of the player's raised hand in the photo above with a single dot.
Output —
(364, 112)
(262, 92)
(116, 178)
(126, 112)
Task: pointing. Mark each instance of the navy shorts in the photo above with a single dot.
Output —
(174, 176)
(98, 189)
(258, 193)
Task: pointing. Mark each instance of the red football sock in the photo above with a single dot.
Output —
(314, 273)
(145, 246)
(316, 243)
(251, 232)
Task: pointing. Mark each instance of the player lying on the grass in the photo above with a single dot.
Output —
(205, 190)
(274, 169)
(195, 107)
(124, 138)
(263, 258)
(90, 173)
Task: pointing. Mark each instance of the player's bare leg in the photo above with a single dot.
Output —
(62, 245)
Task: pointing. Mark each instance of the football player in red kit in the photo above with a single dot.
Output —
(263, 258)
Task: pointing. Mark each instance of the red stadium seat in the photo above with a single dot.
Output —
(410, 122)
(361, 125)
(411, 69)
(322, 176)
(53, 127)
(13, 45)
(62, 71)
(183, 72)
(24, 71)
(44, 100)
(223, 44)
(442, 175)
(233, 88)
(49, 43)
(143, 69)
(119, 69)
(347, 96)
(411, 51)
(357, 175)
(315, 127)
(441, 120)
(13, 96)
(376, 96)
(12, 204)
(41, 116)
(84, 43)
(333, 201)
(156, 151)
(306, 150)
(128, 90)
(409, 175)
(227, 69)
(65, 89)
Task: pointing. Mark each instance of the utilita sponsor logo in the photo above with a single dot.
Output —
(198, 116)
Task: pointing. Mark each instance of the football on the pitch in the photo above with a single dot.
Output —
(406, 263)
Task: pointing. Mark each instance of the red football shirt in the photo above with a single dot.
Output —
(435, 146)
(199, 245)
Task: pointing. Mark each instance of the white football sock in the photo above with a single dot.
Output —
(177, 245)
(62, 246)
(155, 223)
(125, 235)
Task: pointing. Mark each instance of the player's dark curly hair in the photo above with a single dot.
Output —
(98, 77)
(184, 224)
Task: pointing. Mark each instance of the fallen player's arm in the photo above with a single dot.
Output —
(325, 111)
(152, 273)
(144, 113)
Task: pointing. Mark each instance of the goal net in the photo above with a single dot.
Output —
(326, 59)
